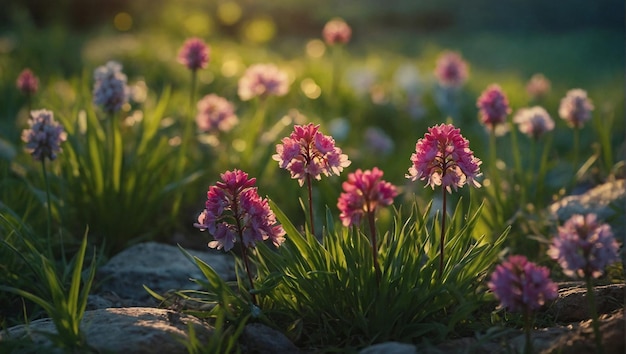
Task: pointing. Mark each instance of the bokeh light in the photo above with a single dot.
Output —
(229, 12)
(310, 88)
(315, 48)
(123, 21)
(260, 30)
(199, 24)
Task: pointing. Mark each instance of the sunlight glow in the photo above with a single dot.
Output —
(199, 24)
(229, 12)
(315, 48)
(123, 21)
(260, 30)
(310, 88)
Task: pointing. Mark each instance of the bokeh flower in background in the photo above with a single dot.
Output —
(110, 90)
(234, 211)
(534, 121)
(493, 107)
(377, 141)
(262, 80)
(451, 70)
(308, 152)
(538, 87)
(336, 31)
(363, 193)
(443, 158)
(215, 114)
(521, 285)
(584, 247)
(194, 54)
(575, 108)
(27, 82)
(44, 137)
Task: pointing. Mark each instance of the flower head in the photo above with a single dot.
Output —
(234, 209)
(262, 80)
(194, 54)
(443, 158)
(364, 192)
(576, 108)
(493, 106)
(27, 82)
(521, 285)
(336, 31)
(215, 113)
(538, 86)
(45, 135)
(110, 90)
(306, 151)
(451, 70)
(534, 121)
(584, 247)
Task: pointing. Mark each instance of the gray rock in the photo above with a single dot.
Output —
(571, 305)
(160, 267)
(134, 330)
(390, 348)
(261, 339)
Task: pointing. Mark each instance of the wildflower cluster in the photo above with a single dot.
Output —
(194, 54)
(27, 82)
(262, 80)
(336, 31)
(215, 113)
(493, 107)
(576, 108)
(363, 193)
(534, 121)
(45, 135)
(451, 70)
(110, 90)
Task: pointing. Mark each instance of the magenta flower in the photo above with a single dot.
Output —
(364, 192)
(27, 82)
(194, 54)
(451, 70)
(215, 113)
(336, 31)
(534, 121)
(308, 152)
(521, 285)
(45, 135)
(110, 90)
(584, 247)
(235, 210)
(576, 108)
(493, 107)
(538, 86)
(443, 158)
(262, 80)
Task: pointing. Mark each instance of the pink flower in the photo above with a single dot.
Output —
(45, 135)
(538, 86)
(443, 158)
(364, 192)
(234, 210)
(215, 113)
(194, 54)
(452, 70)
(262, 80)
(584, 247)
(336, 31)
(534, 121)
(110, 90)
(309, 152)
(576, 108)
(493, 106)
(27, 82)
(521, 285)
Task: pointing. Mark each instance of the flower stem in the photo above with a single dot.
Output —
(244, 250)
(528, 347)
(49, 207)
(310, 190)
(443, 233)
(372, 225)
(594, 315)
(518, 163)
(494, 168)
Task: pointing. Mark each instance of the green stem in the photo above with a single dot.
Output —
(372, 225)
(310, 191)
(334, 88)
(493, 162)
(244, 250)
(443, 233)
(576, 148)
(543, 169)
(518, 163)
(528, 347)
(594, 315)
(49, 206)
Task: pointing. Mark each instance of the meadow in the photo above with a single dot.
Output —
(152, 122)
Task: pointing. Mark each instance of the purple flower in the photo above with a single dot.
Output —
(451, 70)
(309, 152)
(584, 247)
(538, 86)
(576, 108)
(443, 158)
(364, 192)
(110, 90)
(493, 107)
(45, 135)
(521, 285)
(215, 113)
(194, 54)
(336, 31)
(262, 80)
(27, 82)
(234, 209)
(534, 121)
